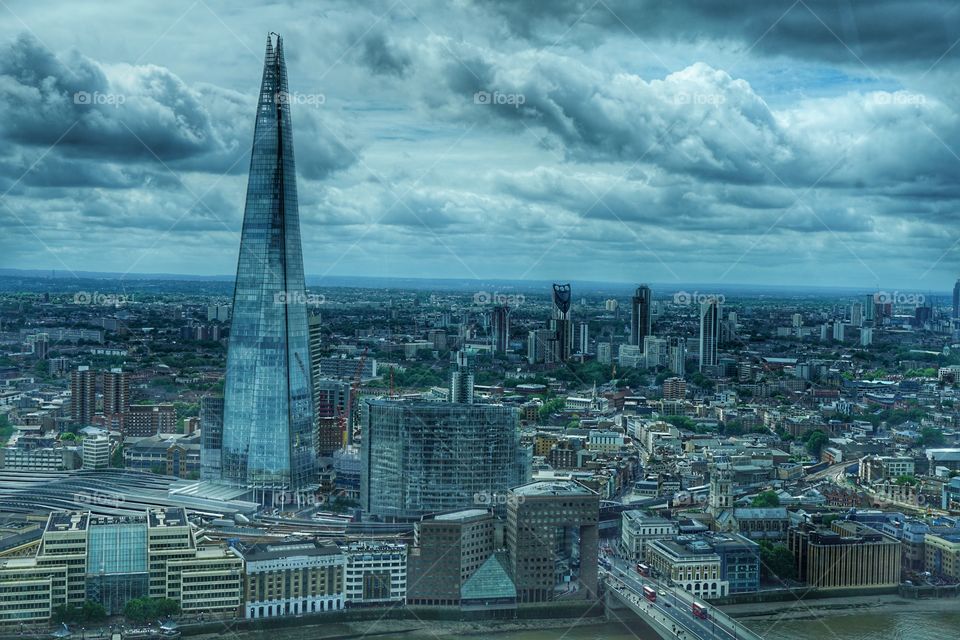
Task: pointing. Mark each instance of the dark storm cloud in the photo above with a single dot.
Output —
(884, 32)
(141, 114)
(382, 56)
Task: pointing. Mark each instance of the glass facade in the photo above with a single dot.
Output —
(427, 457)
(117, 564)
(268, 435)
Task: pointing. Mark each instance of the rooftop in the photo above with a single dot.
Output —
(552, 488)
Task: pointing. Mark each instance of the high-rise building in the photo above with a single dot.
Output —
(838, 331)
(540, 346)
(848, 555)
(116, 392)
(869, 307)
(583, 345)
(422, 457)
(41, 346)
(211, 437)
(561, 324)
(956, 300)
(866, 336)
(552, 540)
(334, 410)
(83, 395)
(461, 380)
(500, 328)
(674, 389)
(678, 356)
(268, 422)
(144, 420)
(709, 332)
(655, 352)
(641, 319)
(856, 314)
(604, 352)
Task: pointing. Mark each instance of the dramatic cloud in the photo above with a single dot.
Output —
(751, 141)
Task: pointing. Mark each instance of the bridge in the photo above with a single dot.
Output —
(671, 614)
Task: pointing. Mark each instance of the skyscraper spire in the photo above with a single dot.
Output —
(268, 435)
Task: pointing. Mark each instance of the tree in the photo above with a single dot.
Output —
(931, 437)
(147, 609)
(766, 499)
(815, 441)
(776, 561)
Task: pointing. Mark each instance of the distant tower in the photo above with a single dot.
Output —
(641, 319)
(721, 490)
(461, 380)
(584, 338)
(500, 328)
(116, 392)
(678, 354)
(956, 300)
(709, 332)
(561, 325)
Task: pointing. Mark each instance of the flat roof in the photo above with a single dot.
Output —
(552, 488)
(461, 515)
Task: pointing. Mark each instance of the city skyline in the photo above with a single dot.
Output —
(837, 154)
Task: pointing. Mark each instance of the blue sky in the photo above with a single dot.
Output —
(740, 142)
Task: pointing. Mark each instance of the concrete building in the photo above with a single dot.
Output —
(143, 420)
(551, 539)
(96, 452)
(848, 555)
(638, 528)
(293, 578)
(447, 550)
(83, 396)
(674, 389)
(690, 563)
(942, 555)
(375, 573)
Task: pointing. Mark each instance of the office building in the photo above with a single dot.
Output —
(709, 334)
(423, 457)
(848, 555)
(342, 368)
(461, 379)
(552, 539)
(708, 565)
(641, 318)
(96, 452)
(83, 396)
(500, 328)
(172, 456)
(448, 549)
(268, 443)
(678, 355)
(638, 528)
(375, 573)
(113, 560)
(561, 325)
(942, 555)
(293, 578)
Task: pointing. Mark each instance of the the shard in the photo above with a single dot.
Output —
(268, 435)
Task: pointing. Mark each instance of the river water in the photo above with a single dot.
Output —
(860, 626)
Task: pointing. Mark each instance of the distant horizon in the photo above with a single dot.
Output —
(466, 284)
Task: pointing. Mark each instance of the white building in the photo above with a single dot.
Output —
(96, 452)
(638, 528)
(376, 573)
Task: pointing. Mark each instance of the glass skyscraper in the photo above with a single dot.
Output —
(268, 436)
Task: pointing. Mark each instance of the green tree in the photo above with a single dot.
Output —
(766, 499)
(815, 441)
(931, 437)
(776, 561)
(148, 609)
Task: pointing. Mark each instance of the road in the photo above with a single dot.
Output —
(677, 609)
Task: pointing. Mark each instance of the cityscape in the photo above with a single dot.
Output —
(480, 320)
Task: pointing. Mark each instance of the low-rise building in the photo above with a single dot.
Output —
(293, 578)
(375, 573)
(942, 555)
(638, 528)
(848, 555)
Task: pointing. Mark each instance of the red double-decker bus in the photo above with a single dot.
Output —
(643, 569)
(650, 593)
(700, 611)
